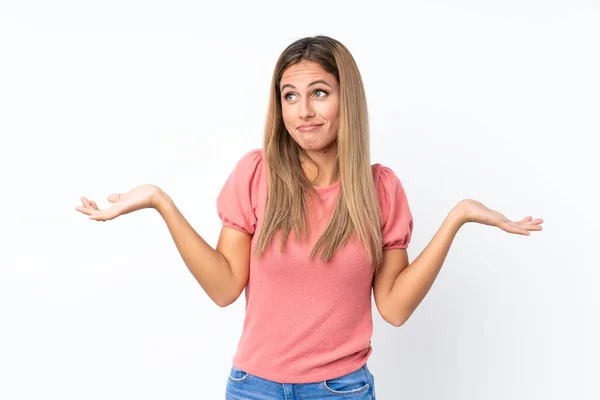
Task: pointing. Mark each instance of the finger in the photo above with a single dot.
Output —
(93, 203)
(85, 202)
(521, 230)
(536, 221)
(530, 227)
(84, 210)
(511, 227)
(526, 219)
(533, 225)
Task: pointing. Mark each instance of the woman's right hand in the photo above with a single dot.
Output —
(144, 196)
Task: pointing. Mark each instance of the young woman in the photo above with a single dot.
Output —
(310, 230)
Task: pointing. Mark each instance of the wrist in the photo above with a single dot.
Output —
(458, 214)
(160, 200)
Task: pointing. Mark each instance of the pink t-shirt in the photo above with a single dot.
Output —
(307, 321)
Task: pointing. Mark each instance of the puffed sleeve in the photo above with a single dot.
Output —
(235, 202)
(397, 221)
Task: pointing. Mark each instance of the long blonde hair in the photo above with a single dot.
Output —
(357, 208)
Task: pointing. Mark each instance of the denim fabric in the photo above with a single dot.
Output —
(356, 385)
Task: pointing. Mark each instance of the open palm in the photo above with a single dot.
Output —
(140, 197)
(477, 212)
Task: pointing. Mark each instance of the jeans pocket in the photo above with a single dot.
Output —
(237, 375)
(350, 384)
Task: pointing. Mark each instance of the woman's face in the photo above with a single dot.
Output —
(310, 99)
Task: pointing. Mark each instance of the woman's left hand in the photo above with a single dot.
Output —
(474, 211)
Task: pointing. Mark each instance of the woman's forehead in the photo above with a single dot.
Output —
(306, 70)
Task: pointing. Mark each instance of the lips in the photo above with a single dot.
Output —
(309, 127)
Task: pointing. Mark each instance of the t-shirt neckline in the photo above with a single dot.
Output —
(325, 189)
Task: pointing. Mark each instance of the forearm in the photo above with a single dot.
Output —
(414, 282)
(207, 265)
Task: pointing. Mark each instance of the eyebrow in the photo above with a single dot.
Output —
(311, 84)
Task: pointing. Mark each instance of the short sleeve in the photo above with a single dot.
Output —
(397, 221)
(235, 205)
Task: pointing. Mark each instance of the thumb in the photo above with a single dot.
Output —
(114, 197)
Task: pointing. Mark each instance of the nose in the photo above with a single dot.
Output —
(306, 109)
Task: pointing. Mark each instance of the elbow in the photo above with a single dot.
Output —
(396, 322)
(396, 319)
(225, 300)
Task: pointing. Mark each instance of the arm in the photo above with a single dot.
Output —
(400, 287)
(221, 272)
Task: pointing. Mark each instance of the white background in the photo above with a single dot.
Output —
(496, 101)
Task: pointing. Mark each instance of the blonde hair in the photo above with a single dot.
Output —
(357, 208)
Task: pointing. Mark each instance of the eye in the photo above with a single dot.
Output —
(287, 96)
(324, 93)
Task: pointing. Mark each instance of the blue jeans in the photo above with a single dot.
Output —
(356, 385)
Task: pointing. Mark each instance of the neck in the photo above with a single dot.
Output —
(320, 168)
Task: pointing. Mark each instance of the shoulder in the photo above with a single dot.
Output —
(247, 175)
(251, 159)
(385, 179)
(390, 191)
(397, 221)
(237, 201)
(249, 167)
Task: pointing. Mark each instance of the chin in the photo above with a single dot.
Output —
(316, 145)
(326, 147)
